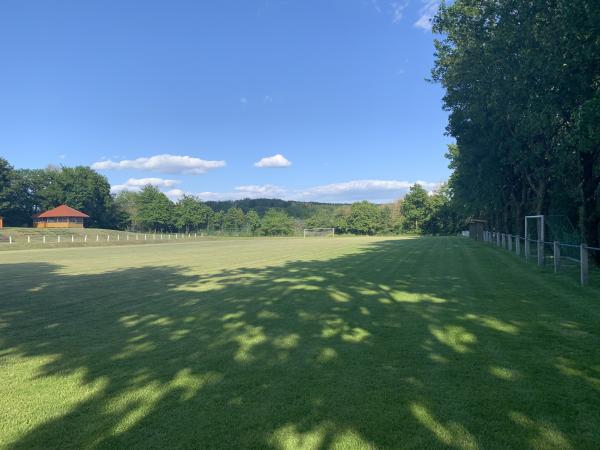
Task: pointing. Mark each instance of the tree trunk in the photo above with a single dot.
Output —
(590, 219)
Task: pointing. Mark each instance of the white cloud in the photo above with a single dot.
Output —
(426, 13)
(162, 163)
(175, 194)
(277, 160)
(262, 190)
(378, 191)
(136, 184)
(398, 10)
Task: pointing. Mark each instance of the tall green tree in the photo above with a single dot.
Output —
(363, 218)
(234, 219)
(191, 213)
(155, 210)
(252, 221)
(416, 209)
(277, 223)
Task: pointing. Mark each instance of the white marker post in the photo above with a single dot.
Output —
(29, 239)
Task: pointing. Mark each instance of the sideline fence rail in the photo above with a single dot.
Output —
(559, 255)
(96, 239)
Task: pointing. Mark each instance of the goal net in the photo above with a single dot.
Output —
(319, 232)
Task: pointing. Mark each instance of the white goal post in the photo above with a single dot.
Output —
(319, 232)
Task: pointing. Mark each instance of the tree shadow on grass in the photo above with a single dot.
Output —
(408, 344)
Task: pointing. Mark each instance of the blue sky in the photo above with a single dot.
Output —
(192, 95)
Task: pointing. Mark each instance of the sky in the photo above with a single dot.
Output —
(320, 100)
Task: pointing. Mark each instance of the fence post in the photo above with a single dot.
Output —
(584, 264)
(72, 238)
(29, 239)
(107, 237)
(540, 253)
(502, 240)
(145, 237)
(43, 239)
(527, 249)
(118, 237)
(97, 238)
(58, 239)
(85, 238)
(498, 239)
(510, 242)
(518, 245)
(556, 256)
(10, 239)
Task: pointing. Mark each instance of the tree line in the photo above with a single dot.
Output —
(522, 85)
(25, 192)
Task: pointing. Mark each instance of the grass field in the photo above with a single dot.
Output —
(296, 344)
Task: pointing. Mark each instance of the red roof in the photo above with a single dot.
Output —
(62, 211)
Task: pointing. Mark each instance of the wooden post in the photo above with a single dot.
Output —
(556, 257)
(584, 264)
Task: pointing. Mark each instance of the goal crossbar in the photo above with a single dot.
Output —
(311, 232)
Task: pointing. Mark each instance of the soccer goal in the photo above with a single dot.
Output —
(319, 232)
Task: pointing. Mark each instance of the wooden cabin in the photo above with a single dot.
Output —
(62, 216)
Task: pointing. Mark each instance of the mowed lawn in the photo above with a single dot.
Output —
(345, 343)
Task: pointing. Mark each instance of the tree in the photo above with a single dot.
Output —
(191, 213)
(416, 209)
(522, 81)
(234, 219)
(127, 208)
(363, 218)
(321, 219)
(252, 221)
(217, 220)
(155, 210)
(277, 223)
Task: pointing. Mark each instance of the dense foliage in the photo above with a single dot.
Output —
(522, 82)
